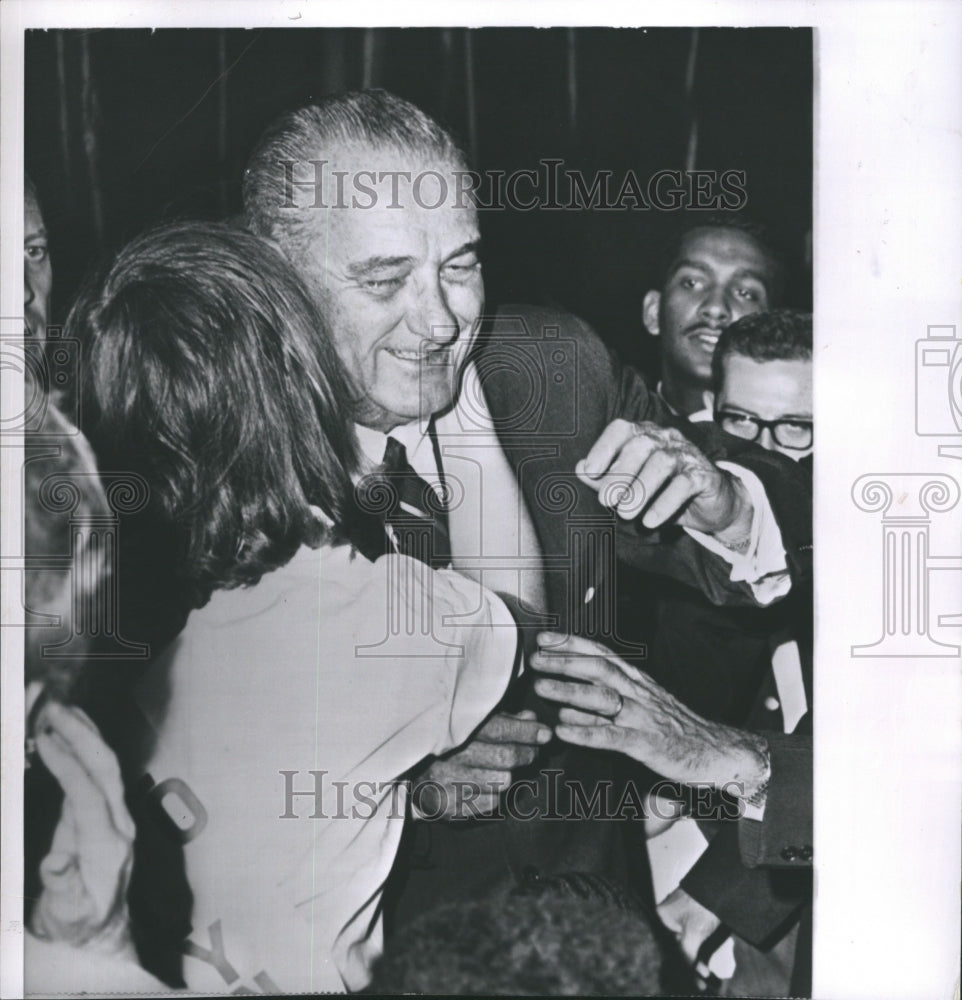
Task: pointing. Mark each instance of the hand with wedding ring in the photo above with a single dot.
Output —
(644, 467)
(611, 705)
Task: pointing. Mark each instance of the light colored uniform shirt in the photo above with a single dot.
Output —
(354, 671)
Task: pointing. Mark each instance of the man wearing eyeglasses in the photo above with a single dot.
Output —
(762, 382)
(751, 670)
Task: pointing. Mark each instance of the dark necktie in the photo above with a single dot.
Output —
(396, 496)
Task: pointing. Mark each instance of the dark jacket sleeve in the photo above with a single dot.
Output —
(588, 388)
(756, 875)
(783, 837)
(755, 903)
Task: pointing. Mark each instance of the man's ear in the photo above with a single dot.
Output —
(649, 312)
(708, 398)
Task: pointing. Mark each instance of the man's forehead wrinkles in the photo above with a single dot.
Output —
(364, 241)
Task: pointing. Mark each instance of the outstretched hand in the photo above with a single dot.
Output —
(621, 708)
(86, 874)
(645, 467)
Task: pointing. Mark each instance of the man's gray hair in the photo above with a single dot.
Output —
(373, 118)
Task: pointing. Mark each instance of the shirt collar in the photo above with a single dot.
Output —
(471, 417)
(373, 443)
(659, 388)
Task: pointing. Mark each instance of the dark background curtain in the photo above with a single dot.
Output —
(125, 128)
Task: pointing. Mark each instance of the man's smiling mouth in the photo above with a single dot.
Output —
(707, 336)
(429, 356)
(396, 352)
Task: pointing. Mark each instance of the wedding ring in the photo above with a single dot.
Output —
(621, 704)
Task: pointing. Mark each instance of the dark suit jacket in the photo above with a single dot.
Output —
(756, 876)
(552, 388)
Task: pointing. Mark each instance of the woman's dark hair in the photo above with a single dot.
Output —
(207, 370)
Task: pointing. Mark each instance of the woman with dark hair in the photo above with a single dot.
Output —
(287, 712)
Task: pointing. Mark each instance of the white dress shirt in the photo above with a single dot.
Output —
(493, 539)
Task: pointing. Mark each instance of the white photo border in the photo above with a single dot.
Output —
(888, 261)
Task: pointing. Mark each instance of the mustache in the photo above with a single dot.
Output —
(696, 328)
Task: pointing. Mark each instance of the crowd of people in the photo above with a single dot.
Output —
(390, 735)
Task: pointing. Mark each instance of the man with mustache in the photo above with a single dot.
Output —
(717, 269)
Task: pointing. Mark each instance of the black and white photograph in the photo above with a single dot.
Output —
(419, 577)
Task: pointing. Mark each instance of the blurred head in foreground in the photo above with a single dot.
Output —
(65, 568)
(552, 943)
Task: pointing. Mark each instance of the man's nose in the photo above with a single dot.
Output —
(715, 304)
(430, 315)
(766, 440)
(28, 292)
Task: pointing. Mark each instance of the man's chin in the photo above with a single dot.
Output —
(431, 396)
(699, 368)
(399, 413)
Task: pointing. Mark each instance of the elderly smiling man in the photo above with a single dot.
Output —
(523, 422)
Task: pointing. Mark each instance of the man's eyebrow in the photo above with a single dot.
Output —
(41, 232)
(377, 262)
(745, 412)
(760, 276)
(685, 262)
(472, 246)
(361, 268)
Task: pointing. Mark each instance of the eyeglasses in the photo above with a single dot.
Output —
(789, 433)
